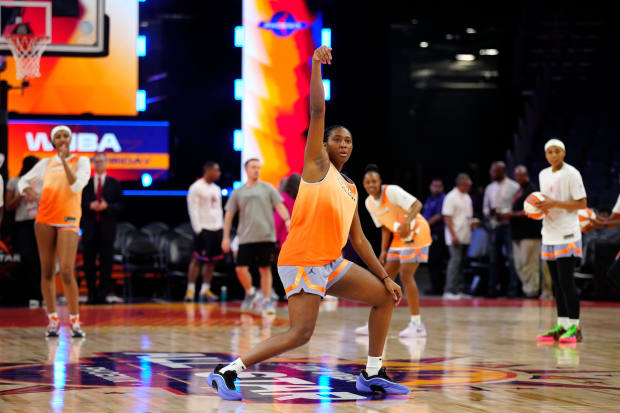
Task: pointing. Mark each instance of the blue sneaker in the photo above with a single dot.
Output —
(380, 382)
(224, 383)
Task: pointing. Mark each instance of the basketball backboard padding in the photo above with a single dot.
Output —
(86, 35)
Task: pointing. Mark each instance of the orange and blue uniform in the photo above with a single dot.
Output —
(60, 204)
(390, 213)
(311, 259)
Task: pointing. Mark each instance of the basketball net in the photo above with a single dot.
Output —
(27, 50)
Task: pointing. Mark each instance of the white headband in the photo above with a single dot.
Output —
(555, 142)
(58, 129)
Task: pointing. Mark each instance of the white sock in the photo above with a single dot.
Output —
(573, 322)
(237, 366)
(373, 365)
(191, 286)
(564, 322)
(53, 316)
(251, 291)
(416, 319)
(205, 287)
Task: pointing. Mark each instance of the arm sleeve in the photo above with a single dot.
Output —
(82, 174)
(33, 176)
(577, 190)
(231, 204)
(1, 191)
(448, 206)
(193, 204)
(616, 209)
(378, 223)
(398, 196)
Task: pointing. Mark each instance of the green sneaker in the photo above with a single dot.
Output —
(572, 335)
(551, 335)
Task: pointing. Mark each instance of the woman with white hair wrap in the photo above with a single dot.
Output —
(564, 193)
(57, 223)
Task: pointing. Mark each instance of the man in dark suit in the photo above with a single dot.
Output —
(101, 206)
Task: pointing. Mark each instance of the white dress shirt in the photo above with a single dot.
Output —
(458, 205)
(498, 197)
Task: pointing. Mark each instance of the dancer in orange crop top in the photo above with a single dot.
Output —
(57, 223)
(397, 213)
(310, 263)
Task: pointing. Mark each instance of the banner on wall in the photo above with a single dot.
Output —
(132, 147)
(280, 38)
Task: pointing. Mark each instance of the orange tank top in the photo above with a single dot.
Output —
(321, 221)
(59, 205)
(391, 215)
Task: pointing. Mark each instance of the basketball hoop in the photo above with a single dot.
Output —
(27, 50)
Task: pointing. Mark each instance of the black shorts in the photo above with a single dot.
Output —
(208, 245)
(259, 253)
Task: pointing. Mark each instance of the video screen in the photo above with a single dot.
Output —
(132, 147)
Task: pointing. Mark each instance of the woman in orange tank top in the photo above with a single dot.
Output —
(57, 223)
(310, 264)
(397, 213)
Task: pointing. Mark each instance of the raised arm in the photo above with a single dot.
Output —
(316, 161)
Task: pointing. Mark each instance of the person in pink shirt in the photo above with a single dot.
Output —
(289, 193)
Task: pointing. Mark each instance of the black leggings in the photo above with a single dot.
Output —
(564, 288)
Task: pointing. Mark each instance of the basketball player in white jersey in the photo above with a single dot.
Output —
(564, 193)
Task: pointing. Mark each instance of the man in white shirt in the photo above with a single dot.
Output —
(204, 205)
(458, 213)
(496, 206)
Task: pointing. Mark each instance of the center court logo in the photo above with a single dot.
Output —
(281, 381)
(282, 24)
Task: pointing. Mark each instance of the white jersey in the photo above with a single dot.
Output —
(204, 205)
(559, 225)
(458, 206)
(396, 195)
(616, 209)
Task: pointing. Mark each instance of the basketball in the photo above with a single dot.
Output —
(585, 219)
(529, 206)
(415, 229)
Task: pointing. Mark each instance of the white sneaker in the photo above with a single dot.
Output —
(114, 299)
(248, 302)
(451, 296)
(268, 308)
(413, 330)
(362, 331)
(466, 296)
(274, 296)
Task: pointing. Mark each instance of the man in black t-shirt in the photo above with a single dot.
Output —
(526, 237)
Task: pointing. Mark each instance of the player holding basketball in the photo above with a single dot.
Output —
(310, 264)
(564, 193)
(394, 210)
(57, 223)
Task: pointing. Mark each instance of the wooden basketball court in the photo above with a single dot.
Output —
(480, 355)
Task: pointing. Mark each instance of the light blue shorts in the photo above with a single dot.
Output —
(406, 255)
(553, 252)
(314, 280)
